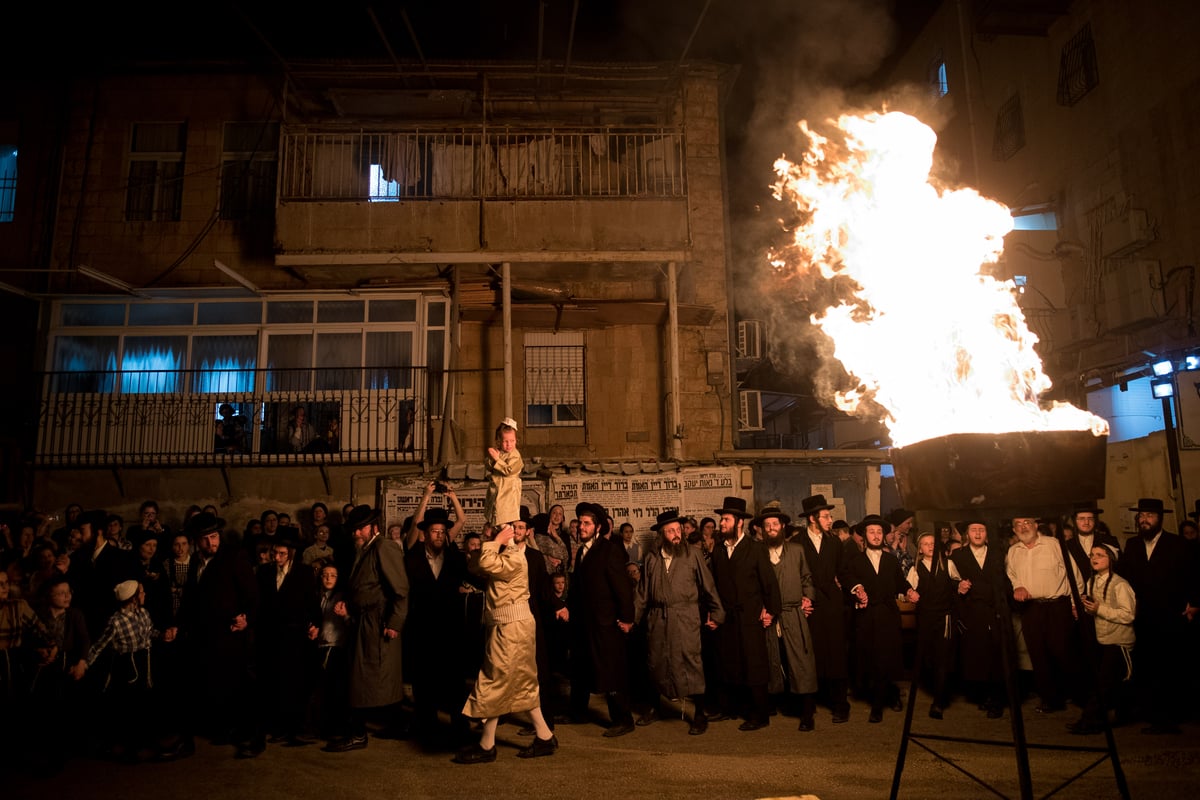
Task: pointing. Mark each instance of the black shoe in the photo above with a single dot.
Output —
(538, 748)
(1162, 729)
(935, 711)
(840, 716)
(618, 730)
(346, 744)
(181, 749)
(806, 724)
(898, 706)
(720, 716)
(699, 725)
(754, 724)
(649, 718)
(297, 741)
(252, 749)
(876, 715)
(475, 755)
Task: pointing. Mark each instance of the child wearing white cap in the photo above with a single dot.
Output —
(504, 464)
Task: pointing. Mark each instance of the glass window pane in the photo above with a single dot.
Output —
(251, 137)
(160, 314)
(437, 314)
(289, 361)
(435, 358)
(152, 364)
(290, 311)
(229, 313)
(339, 360)
(158, 137)
(93, 314)
(340, 311)
(393, 311)
(84, 363)
(224, 363)
(388, 360)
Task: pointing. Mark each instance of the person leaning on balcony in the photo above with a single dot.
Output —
(299, 430)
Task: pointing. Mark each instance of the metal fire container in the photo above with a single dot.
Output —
(1021, 472)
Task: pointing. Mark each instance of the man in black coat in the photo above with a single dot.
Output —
(289, 613)
(544, 610)
(601, 612)
(436, 570)
(1161, 569)
(749, 591)
(983, 590)
(95, 568)
(1079, 546)
(824, 552)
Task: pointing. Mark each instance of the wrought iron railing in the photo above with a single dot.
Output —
(501, 163)
(272, 416)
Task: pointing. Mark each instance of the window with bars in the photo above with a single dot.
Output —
(555, 386)
(155, 188)
(939, 82)
(8, 181)
(248, 169)
(1009, 136)
(1078, 73)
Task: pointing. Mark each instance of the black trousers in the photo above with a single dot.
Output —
(1046, 626)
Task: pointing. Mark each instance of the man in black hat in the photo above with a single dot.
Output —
(675, 586)
(289, 613)
(1084, 519)
(377, 598)
(436, 570)
(1162, 570)
(824, 553)
(600, 606)
(95, 568)
(983, 591)
(789, 641)
(749, 591)
(873, 578)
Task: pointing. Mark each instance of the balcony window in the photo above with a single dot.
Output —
(152, 364)
(1078, 72)
(224, 364)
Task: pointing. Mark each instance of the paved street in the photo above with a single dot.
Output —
(854, 760)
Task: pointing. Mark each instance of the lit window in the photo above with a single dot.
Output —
(554, 379)
(937, 77)
(155, 190)
(8, 181)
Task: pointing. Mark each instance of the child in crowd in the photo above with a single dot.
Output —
(1110, 599)
(320, 549)
(503, 501)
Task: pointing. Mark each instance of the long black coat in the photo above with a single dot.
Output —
(1084, 560)
(541, 604)
(285, 614)
(979, 612)
(828, 619)
(877, 625)
(377, 597)
(600, 596)
(433, 648)
(213, 598)
(1164, 584)
(746, 585)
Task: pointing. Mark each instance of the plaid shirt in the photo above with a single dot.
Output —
(126, 631)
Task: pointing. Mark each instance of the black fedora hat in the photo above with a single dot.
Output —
(771, 509)
(735, 506)
(872, 519)
(1083, 508)
(593, 510)
(897, 516)
(963, 524)
(286, 535)
(360, 516)
(203, 523)
(1151, 504)
(539, 523)
(666, 518)
(811, 505)
(435, 516)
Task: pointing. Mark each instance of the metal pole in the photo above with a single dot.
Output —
(676, 421)
(506, 279)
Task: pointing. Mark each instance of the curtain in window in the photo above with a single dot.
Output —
(224, 364)
(84, 364)
(339, 357)
(388, 360)
(289, 361)
(152, 364)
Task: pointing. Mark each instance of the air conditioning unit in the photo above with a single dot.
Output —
(1126, 234)
(749, 339)
(1133, 296)
(750, 410)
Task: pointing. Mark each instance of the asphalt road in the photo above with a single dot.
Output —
(853, 760)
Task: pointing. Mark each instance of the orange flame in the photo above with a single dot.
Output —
(941, 347)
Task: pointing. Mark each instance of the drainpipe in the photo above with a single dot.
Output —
(673, 355)
(506, 277)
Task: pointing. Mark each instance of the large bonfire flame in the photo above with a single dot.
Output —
(939, 346)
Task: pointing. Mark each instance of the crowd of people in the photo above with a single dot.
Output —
(131, 641)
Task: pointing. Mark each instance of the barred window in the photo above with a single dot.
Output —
(248, 169)
(1009, 136)
(555, 386)
(155, 189)
(1078, 73)
(938, 80)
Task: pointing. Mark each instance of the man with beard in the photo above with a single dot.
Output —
(1161, 568)
(983, 589)
(1041, 585)
(436, 571)
(789, 641)
(600, 608)
(377, 598)
(824, 554)
(746, 584)
(1079, 548)
(873, 578)
(675, 584)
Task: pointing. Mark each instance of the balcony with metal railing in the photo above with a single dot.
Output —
(244, 416)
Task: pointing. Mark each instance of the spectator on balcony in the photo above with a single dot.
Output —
(230, 430)
(300, 432)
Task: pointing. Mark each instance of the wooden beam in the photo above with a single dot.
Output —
(480, 257)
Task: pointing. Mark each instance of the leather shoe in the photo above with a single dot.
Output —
(699, 726)
(618, 730)
(754, 724)
(720, 716)
(841, 716)
(475, 755)
(539, 747)
(876, 715)
(806, 724)
(181, 749)
(346, 744)
(935, 711)
(649, 718)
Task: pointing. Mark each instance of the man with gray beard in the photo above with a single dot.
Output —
(675, 585)
(789, 641)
